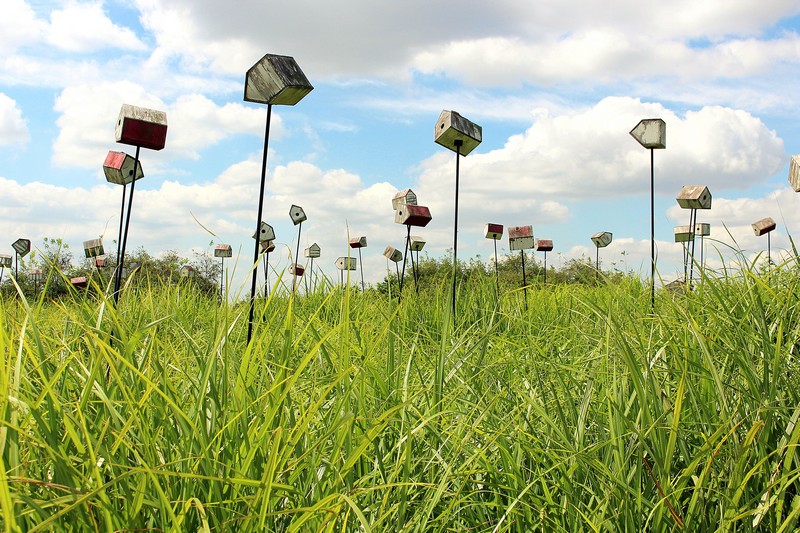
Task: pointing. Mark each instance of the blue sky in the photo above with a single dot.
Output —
(555, 85)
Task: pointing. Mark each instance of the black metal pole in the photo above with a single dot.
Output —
(363, 288)
(296, 256)
(121, 225)
(769, 252)
(258, 225)
(597, 264)
(405, 255)
(16, 264)
(545, 268)
(266, 274)
(457, 144)
(496, 270)
(524, 280)
(692, 224)
(652, 234)
(121, 260)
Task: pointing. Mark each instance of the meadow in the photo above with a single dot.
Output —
(350, 411)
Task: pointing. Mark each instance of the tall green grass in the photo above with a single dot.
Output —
(349, 411)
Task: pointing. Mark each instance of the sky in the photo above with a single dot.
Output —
(556, 86)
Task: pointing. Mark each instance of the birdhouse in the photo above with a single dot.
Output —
(99, 262)
(393, 254)
(296, 269)
(79, 282)
(118, 168)
(493, 231)
(702, 229)
(265, 233)
(139, 126)
(543, 245)
(416, 243)
(413, 215)
(520, 237)
(187, 271)
(276, 80)
(22, 247)
(406, 196)
(794, 173)
(93, 247)
(5, 260)
(765, 225)
(694, 197)
(456, 133)
(651, 133)
(684, 234)
(223, 250)
(266, 246)
(36, 274)
(346, 263)
(601, 239)
(358, 242)
(297, 214)
(313, 251)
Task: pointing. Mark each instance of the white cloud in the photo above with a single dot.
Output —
(85, 27)
(13, 127)
(19, 26)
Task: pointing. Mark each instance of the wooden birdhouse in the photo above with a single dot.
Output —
(187, 271)
(651, 133)
(358, 242)
(543, 245)
(276, 79)
(118, 168)
(313, 251)
(5, 260)
(413, 215)
(139, 126)
(601, 239)
(297, 214)
(296, 269)
(763, 226)
(346, 263)
(265, 233)
(22, 247)
(794, 173)
(416, 243)
(684, 234)
(79, 282)
(36, 274)
(694, 197)
(456, 133)
(266, 246)
(493, 231)
(702, 229)
(93, 247)
(520, 238)
(393, 254)
(223, 250)
(406, 196)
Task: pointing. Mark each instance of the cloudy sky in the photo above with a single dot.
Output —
(555, 84)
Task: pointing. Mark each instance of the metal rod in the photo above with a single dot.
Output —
(296, 256)
(597, 264)
(652, 234)
(266, 274)
(545, 268)
(692, 224)
(457, 144)
(405, 255)
(258, 225)
(769, 252)
(361, 263)
(119, 235)
(496, 271)
(524, 281)
(121, 260)
(16, 264)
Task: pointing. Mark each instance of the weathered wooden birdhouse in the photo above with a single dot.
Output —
(651, 133)
(276, 79)
(763, 226)
(266, 246)
(93, 248)
(543, 245)
(794, 173)
(520, 237)
(297, 214)
(684, 234)
(702, 229)
(36, 274)
(296, 269)
(99, 262)
(346, 263)
(416, 243)
(118, 168)
(358, 242)
(406, 196)
(22, 247)
(313, 251)
(139, 126)
(413, 215)
(456, 133)
(601, 239)
(5, 260)
(79, 282)
(493, 231)
(393, 254)
(265, 233)
(187, 271)
(694, 197)
(223, 250)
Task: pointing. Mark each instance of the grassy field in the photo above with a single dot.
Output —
(349, 412)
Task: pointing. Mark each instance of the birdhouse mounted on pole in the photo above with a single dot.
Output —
(223, 250)
(544, 245)
(683, 234)
(93, 248)
(763, 226)
(22, 247)
(493, 231)
(277, 80)
(456, 133)
(297, 214)
(313, 251)
(118, 168)
(406, 196)
(694, 197)
(139, 126)
(651, 133)
(265, 233)
(416, 243)
(6, 261)
(601, 239)
(794, 173)
(346, 263)
(358, 242)
(520, 238)
(413, 215)
(393, 254)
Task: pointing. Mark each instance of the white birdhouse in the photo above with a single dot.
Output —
(702, 229)
(93, 248)
(346, 263)
(416, 243)
(358, 242)
(118, 168)
(413, 215)
(313, 251)
(694, 197)
(223, 250)
(520, 238)
(5, 260)
(684, 234)
(36, 274)
(543, 245)
(393, 254)
(406, 196)
(493, 231)
(601, 239)
(763, 226)
(265, 233)
(651, 133)
(297, 214)
(794, 173)
(22, 247)
(139, 126)
(187, 271)
(456, 133)
(276, 80)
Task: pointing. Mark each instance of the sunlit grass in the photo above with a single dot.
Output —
(585, 412)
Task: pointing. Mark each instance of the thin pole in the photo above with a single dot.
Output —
(597, 264)
(545, 268)
(16, 264)
(121, 261)
(119, 236)
(363, 289)
(692, 224)
(266, 274)
(769, 253)
(496, 271)
(458, 144)
(221, 279)
(652, 234)
(524, 281)
(258, 225)
(296, 256)
(405, 255)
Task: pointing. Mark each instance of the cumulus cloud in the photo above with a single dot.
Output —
(19, 26)
(85, 27)
(13, 127)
